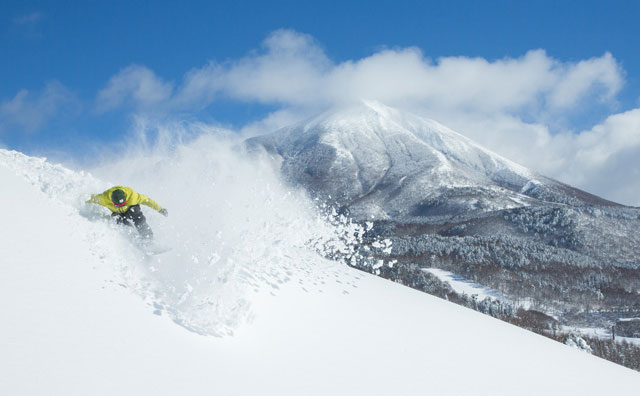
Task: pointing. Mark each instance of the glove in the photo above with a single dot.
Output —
(164, 212)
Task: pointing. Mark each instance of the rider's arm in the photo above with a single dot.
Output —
(99, 199)
(144, 200)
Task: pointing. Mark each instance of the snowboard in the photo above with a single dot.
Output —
(154, 250)
(150, 247)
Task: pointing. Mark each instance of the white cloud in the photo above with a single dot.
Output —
(603, 72)
(136, 85)
(454, 82)
(291, 69)
(31, 111)
(607, 158)
(28, 26)
(29, 19)
(617, 133)
(286, 71)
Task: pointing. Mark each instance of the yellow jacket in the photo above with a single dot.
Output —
(132, 198)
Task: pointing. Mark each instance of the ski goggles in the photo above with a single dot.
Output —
(121, 204)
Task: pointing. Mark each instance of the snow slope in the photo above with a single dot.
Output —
(464, 286)
(78, 302)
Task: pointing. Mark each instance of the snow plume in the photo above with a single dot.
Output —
(236, 231)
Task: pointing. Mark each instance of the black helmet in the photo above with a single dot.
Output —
(118, 197)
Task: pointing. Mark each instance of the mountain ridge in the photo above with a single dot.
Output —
(371, 158)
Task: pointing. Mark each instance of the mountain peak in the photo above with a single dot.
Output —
(372, 107)
(373, 118)
(381, 161)
(363, 110)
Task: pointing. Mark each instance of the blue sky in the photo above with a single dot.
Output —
(562, 77)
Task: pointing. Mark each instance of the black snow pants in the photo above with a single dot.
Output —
(134, 214)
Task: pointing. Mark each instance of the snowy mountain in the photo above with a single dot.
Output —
(86, 312)
(379, 161)
(445, 202)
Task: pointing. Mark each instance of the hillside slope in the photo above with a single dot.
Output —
(78, 303)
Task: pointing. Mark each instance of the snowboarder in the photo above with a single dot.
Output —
(124, 204)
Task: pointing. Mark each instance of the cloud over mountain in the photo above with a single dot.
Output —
(292, 69)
